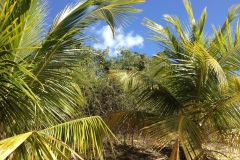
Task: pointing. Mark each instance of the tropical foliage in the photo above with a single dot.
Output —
(187, 95)
(191, 87)
(39, 79)
(102, 93)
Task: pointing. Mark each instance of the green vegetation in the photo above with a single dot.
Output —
(191, 87)
(39, 82)
(186, 96)
(104, 94)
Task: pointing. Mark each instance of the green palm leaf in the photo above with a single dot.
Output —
(7, 146)
(80, 138)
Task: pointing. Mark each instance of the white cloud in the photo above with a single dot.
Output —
(128, 40)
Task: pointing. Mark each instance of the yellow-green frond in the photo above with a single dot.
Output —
(7, 146)
(166, 129)
(84, 135)
(189, 10)
(202, 21)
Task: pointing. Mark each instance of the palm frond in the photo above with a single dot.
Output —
(116, 13)
(7, 146)
(20, 26)
(228, 111)
(202, 21)
(33, 27)
(82, 138)
(228, 56)
(237, 83)
(160, 34)
(175, 152)
(177, 128)
(237, 34)
(210, 68)
(189, 10)
(177, 25)
(16, 95)
(83, 135)
(232, 14)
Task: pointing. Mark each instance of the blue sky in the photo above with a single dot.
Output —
(135, 36)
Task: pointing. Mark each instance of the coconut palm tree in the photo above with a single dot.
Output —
(39, 78)
(192, 86)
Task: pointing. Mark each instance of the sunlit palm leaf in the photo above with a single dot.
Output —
(202, 21)
(232, 15)
(176, 24)
(80, 138)
(7, 146)
(160, 34)
(83, 135)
